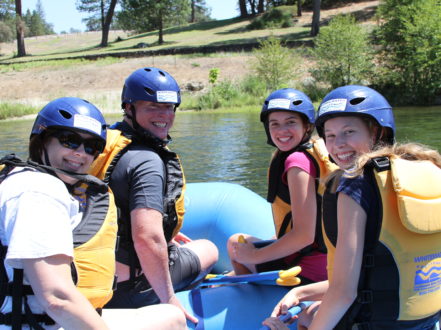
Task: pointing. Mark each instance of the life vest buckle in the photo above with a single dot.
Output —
(381, 163)
(365, 297)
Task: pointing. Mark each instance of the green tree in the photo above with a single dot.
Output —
(7, 20)
(342, 53)
(410, 39)
(36, 24)
(100, 11)
(199, 11)
(148, 15)
(274, 64)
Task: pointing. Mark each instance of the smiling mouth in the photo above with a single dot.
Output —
(345, 156)
(284, 139)
(73, 164)
(159, 124)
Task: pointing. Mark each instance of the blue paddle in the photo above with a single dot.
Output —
(277, 277)
(293, 311)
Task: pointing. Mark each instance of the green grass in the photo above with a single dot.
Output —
(9, 110)
(52, 65)
(213, 33)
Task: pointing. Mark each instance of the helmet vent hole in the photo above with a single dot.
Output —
(149, 91)
(65, 114)
(147, 69)
(357, 100)
(161, 73)
(297, 102)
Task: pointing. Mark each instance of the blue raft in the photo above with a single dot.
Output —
(216, 211)
(238, 306)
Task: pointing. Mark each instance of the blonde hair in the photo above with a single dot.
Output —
(409, 151)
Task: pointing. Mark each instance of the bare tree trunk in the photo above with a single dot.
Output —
(299, 8)
(106, 24)
(160, 32)
(261, 6)
(315, 25)
(253, 7)
(243, 8)
(19, 24)
(193, 11)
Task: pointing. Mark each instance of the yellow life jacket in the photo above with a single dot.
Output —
(400, 278)
(94, 248)
(278, 192)
(116, 145)
(94, 238)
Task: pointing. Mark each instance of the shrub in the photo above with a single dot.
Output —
(342, 53)
(213, 75)
(274, 64)
(254, 86)
(221, 95)
(410, 39)
(274, 18)
(6, 33)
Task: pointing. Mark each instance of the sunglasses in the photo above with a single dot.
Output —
(72, 140)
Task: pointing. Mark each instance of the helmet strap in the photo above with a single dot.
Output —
(46, 157)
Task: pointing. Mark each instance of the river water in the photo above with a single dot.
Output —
(231, 147)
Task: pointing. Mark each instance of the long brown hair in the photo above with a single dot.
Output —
(37, 145)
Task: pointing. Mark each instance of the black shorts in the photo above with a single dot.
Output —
(184, 268)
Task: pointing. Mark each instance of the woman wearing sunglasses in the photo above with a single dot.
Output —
(58, 230)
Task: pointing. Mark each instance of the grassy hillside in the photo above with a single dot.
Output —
(56, 66)
(215, 33)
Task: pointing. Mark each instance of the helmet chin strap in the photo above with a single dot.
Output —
(46, 157)
(47, 162)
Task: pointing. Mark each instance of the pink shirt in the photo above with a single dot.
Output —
(313, 265)
(301, 160)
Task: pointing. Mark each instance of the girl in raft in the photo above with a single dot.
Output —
(384, 256)
(57, 240)
(296, 166)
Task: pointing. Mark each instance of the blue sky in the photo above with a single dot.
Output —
(64, 15)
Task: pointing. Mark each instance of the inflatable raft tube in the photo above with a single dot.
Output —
(241, 306)
(217, 210)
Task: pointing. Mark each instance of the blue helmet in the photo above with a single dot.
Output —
(356, 100)
(151, 84)
(288, 99)
(71, 113)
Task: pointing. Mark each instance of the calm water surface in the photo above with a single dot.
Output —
(232, 147)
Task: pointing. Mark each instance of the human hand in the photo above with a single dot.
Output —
(180, 238)
(289, 300)
(175, 301)
(274, 323)
(244, 252)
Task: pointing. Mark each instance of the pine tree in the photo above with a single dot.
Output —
(101, 11)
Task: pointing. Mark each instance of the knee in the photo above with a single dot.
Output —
(211, 251)
(177, 317)
(233, 238)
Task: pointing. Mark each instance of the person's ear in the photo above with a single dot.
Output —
(128, 109)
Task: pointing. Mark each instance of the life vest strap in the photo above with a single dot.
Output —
(362, 326)
(371, 297)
